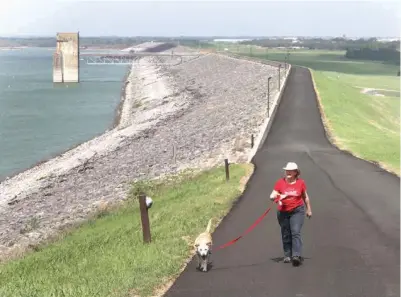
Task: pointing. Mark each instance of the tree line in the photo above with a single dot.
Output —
(374, 54)
(364, 49)
(115, 42)
(360, 49)
(104, 41)
(338, 43)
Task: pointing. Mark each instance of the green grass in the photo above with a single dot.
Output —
(366, 125)
(333, 61)
(106, 256)
(370, 81)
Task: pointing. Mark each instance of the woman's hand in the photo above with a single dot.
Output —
(274, 195)
(308, 213)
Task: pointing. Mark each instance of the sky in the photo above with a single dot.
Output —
(200, 18)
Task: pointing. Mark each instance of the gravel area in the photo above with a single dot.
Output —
(192, 115)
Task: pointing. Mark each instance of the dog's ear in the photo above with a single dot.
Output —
(209, 244)
(196, 245)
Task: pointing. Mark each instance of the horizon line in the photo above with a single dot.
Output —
(201, 36)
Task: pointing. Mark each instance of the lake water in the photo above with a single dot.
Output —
(40, 119)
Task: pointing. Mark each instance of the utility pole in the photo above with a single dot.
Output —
(268, 96)
(279, 77)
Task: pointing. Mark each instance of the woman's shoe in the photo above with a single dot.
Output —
(296, 261)
(287, 259)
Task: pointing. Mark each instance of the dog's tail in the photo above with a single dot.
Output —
(209, 226)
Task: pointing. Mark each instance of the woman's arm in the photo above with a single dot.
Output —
(276, 190)
(274, 194)
(305, 196)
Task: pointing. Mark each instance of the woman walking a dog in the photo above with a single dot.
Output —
(293, 203)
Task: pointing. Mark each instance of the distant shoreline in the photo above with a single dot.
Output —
(123, 96)
(12, 47)
(54, 47)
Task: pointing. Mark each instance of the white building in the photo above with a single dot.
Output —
(230, 40)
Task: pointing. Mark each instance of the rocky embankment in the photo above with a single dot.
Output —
(173, 117)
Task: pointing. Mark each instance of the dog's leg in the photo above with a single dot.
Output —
(204, 264)
(198, 259)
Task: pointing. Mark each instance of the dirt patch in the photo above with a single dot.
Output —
(380, 92)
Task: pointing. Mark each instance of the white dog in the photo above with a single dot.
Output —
(203, 246)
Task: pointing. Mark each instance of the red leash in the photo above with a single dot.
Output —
(247, 231)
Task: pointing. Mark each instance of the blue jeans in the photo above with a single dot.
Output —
(291, 225)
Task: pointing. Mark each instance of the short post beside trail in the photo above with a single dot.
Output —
(144, 204)
(268, 96)
(285, 63)
(279, 77)
(227, 169)
(252, 141)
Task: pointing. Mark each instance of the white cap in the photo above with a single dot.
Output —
(291, 166)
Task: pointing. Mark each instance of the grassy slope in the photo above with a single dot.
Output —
(370, 130)
(367, 125)
(106, 257)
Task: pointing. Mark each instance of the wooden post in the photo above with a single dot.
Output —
(285, 63)
(227, 169)
(279, 78)
(268, 97)
(144, 218)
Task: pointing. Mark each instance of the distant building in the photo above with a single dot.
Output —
(390, 39)
(230, 40)
(289, 47)
(293, 39)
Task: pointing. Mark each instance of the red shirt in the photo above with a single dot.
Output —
(293, 191)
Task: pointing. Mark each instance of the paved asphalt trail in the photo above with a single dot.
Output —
(351, 244)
